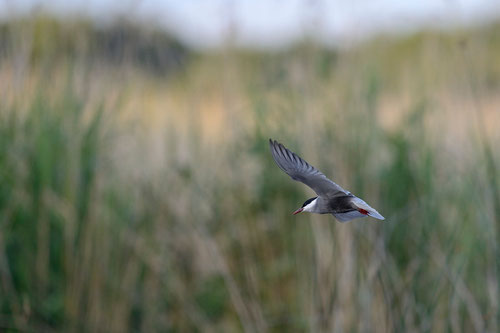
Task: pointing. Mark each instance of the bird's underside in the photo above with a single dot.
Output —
(332, 199)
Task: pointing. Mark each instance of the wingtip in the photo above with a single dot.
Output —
(376, 215)
(274, 143)
(271, 143)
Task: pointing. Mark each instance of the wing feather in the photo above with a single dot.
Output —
(298, 169)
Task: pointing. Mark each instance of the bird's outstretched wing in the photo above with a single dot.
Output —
(303, 172)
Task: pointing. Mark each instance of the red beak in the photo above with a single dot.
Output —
(298, 211)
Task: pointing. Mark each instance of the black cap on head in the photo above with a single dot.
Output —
(308, 201)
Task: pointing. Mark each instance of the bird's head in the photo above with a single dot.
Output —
(307, 206)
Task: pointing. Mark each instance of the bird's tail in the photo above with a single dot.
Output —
(363, 206)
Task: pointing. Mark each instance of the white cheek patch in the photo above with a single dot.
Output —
(310, 206)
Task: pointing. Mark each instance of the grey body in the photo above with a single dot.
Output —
(335, 205)
(332, 199)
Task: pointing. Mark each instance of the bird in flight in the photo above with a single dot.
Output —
(331, 199)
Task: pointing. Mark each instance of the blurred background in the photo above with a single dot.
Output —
(138, 193)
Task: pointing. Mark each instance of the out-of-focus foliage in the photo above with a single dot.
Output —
(131, 200)
(48, 42)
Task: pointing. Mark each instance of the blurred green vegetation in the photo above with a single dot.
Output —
(137, 191)
(120, 43)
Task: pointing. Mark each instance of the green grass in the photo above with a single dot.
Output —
(117, 217)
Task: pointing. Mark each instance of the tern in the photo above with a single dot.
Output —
(331, 199)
